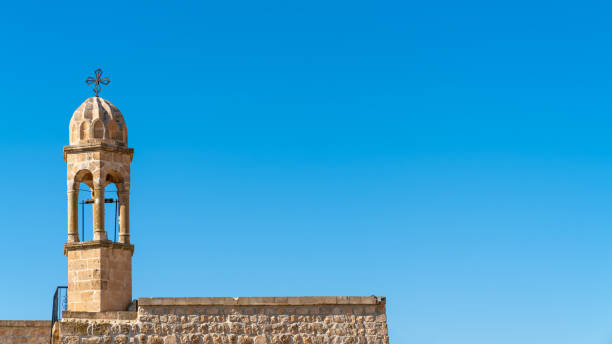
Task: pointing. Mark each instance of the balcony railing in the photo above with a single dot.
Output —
(60, 304)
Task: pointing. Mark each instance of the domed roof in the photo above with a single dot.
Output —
(97, 121)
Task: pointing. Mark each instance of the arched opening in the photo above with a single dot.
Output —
(85, 212)
(83, 185)
(113, 187)
(84, 176)
(84, 131)
(111, 211)
(98, 130)
(114, 132)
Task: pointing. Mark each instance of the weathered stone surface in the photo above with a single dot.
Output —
(101, 328)
(224, 322)
(99, 276)
(93, 340)
(70, 340)
(30, 332)
(97, 120)
(155, 340)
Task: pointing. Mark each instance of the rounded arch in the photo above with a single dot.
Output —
(97, 129)
(114, 132)
(84, 176)
(114, 177)
(79, 219)
(84, 131)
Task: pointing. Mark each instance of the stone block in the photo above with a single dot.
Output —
(171, 339)
(245, 340)
(155, 340)
(91, 340)
(121, 339)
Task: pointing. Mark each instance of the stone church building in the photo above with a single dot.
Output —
(100, 308)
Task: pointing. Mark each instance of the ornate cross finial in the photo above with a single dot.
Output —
(98, 80)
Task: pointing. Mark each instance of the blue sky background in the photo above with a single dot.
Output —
(452, 156)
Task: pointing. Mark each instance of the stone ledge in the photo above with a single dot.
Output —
(94, 147)
(25, 323)
(261, 301)
(67, 315)
(73, 246)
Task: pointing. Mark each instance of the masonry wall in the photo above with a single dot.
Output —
(99, 276)
(299, 320)
(20, 331)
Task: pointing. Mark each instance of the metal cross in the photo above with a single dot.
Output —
(98, 80)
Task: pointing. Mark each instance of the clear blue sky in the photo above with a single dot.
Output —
(452, 156)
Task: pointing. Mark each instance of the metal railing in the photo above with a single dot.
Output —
(60, 303)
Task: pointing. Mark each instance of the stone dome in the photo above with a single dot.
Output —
(97, 121)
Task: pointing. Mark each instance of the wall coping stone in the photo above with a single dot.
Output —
(74, 246)
(261, 301)
(25, 323)
(100, 315)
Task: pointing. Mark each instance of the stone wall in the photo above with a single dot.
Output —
(251, 320)
(24, 331)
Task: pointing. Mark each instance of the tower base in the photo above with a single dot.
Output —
(99, 276)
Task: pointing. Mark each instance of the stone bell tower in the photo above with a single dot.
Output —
(100, 270)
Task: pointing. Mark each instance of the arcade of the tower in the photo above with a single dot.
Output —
(97, 166)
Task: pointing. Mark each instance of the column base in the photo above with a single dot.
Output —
(124, 238)
(99, 235)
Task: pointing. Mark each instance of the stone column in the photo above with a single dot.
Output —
(124, 217)
(73, 216)
(98, 213)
